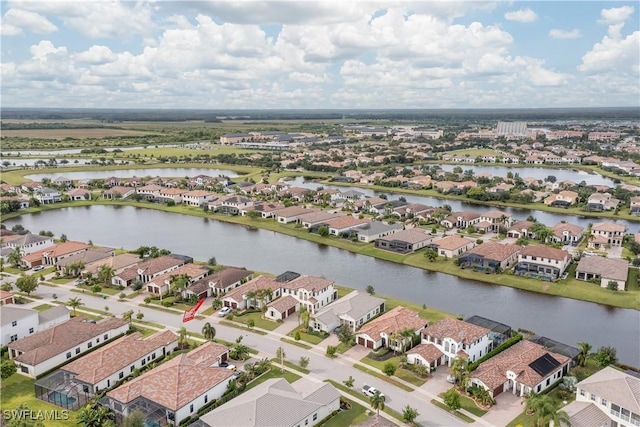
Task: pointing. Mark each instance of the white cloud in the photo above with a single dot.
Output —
(18, 20)
(565, 34)
(523, 15)
(615, 15)
(613, 54)
(96, 55)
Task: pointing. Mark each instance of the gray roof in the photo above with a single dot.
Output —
(615, 386)
(555, 346)
(8, 314)
(274, 403)
(376, 227)
(53, 313)
(586, 414)
(355, 305)
(87, 257)
(28, 239)
(492, 325)
(607, 268)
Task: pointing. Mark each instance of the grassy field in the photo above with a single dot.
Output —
(89, 133)
(19, 389)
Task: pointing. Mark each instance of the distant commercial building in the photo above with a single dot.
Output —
(513, 129)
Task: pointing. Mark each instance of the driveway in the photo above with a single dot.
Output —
(437, 382)
(357, 352)
(506, 409)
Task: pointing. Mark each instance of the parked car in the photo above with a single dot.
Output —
(370, 391)
(451, 379)
(223, 364)
(224, 311)
(38, 268)
(79, 282)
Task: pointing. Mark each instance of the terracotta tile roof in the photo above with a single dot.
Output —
(495, 251)
(5, 295)
(62, 337)
(394, 320)
(61, 249)
(117, 262)
(78, 192)
(92, 255)
(224, 278)
(608, 227)
(118, 190)
(117, 355)
(255, 284)
(458, 330)
(521, 225)
(172, 191)
(428, 352)
(544, 251)
(191, 270)
(346, 222)
(319, 216)
(310, 283)
(607, 268)
(571, 229)
(411, 235)
(155, 265)
(516, 359)
(467, 216)
(283, 304)
(197, 193)
(292, 211)
(179, 381)
(451, 243)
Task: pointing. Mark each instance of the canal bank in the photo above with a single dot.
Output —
(202, 236)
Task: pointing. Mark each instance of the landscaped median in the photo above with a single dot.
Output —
(395, 414)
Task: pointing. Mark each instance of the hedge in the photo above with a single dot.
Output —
(502, 347)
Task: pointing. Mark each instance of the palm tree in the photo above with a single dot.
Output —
(14, 257)
(377, 401)
(251, 295)
(74, 303)
(105, 274)
(585, 350)
(182, 337)
(460, 369)
(208, 331)
(559, 418)
(128, 316)
(94, 417)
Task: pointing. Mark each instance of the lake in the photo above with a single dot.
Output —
(563, 319)
(177, 172)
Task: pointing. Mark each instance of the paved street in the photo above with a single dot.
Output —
(321, 367)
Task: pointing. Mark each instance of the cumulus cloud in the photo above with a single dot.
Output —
(523, 15)
(615, 15)
(615, 54)
(96, 55)
(16, 21)
(565, 34)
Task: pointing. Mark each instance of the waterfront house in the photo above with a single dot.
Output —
(363, 205)
(118, 263)
(277, 403)
(425, 354)
(47, 195)
(605, 234)
(79, 194)
(635, 205)
(317, 218)
(266, 209)
(311, 292)
(53, 254)
(103, 368)
(599, 202)
(463, 220)
(490, 257)
(609, 397)
(456, 338)
(27, 243)
(343, 225)
(452, 246)
(542, 261)
(386, 330)
(290, 214)
(197, 197)
(47, 349)
(176, 389)
(521, 229)
(246, 295)
(85, 257)
(160, 285)
(524, 368)
(171, 194)
(567, 234)
(147, 270)
(603, 271)
(118, 192)
(352, 311)
(375, 230)
(112, 181)
(404, 241)
(149, 191)
(562, 199)
(499, 331)
(218, 283)
(18, 322)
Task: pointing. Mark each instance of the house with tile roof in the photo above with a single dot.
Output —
(94, 254)
(452, 246)
(47, 349)
(218, 283)
(567, 234)
(28, 243)
(381, 331)
(425, 354)
(603, 270)
(599, 202)
(526, 367)
(542, 261)
(7, 298)
(290, 214)
(18, 322)
(311, 292)
(245, 295)
(374, 230)
(456, 338)
(343, 225)
(79, 194)
(521, 229)
(118, 262)
(318, 218)
(148, 270)
(490, 257)
(606, 234)
(352, 311)
(197, 197)
(161, 284)
(118, 192)
(282, 308)
(104, 367)
(277, 403)
(55, 253)
(404, 241)
(562, 199)
(176, 389)
(609, 397)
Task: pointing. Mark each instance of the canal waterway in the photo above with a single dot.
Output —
(177, 172)
(559, 318)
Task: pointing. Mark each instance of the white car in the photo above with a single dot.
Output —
(224, 311)
(371, 391)
(38, 268)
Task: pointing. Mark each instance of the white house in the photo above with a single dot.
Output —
(18, 322)
(47, 195)
(352, 311)
(197, 197)
(28, 243)
(176, 389)
(456, 338)
(47, 349)
(425, 354)
(277, 403)
(542, 260)
(380, 332)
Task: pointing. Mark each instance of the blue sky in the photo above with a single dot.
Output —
(320, 54)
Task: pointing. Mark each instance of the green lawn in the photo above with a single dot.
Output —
(19, 389)
(358, 395)
(260, 322)
(310, 338)
(13, 270)
(60, 280)
(383, 377)
(296, 343)
(288, 364)
(42, 307)
(353, 416)
(463, 417)
(401, 373)
(470, 406)
(274, 372)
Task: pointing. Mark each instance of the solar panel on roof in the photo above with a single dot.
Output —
(544, 364)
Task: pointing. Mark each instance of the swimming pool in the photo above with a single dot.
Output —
(61, 399)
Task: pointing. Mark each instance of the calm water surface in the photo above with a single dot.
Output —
(178, 172)
(563, 319)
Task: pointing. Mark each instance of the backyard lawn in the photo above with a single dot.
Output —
(353, 416)
(19, 389)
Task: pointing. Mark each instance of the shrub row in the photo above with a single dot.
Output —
(502, 347)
